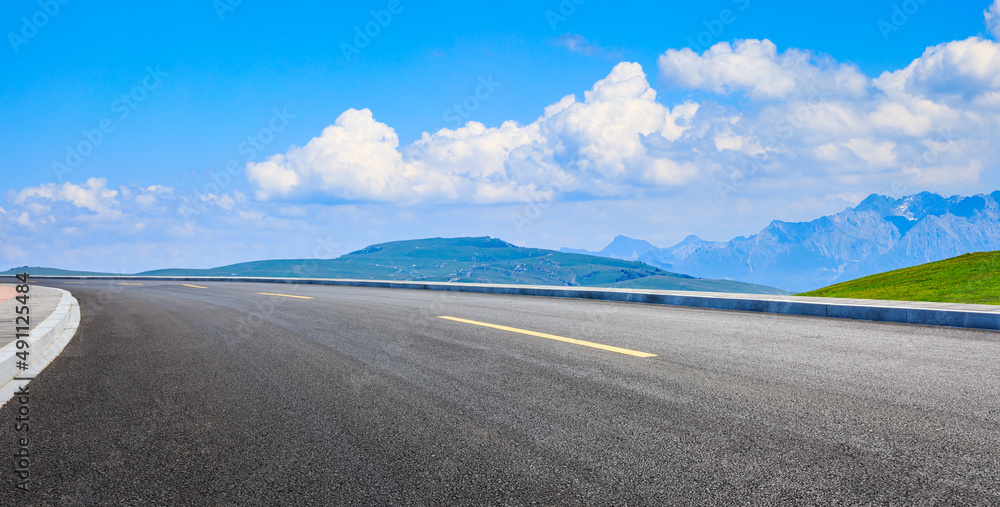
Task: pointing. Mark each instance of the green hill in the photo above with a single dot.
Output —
(971, 278)
(39, 271)
(472, 260)
(469, 260)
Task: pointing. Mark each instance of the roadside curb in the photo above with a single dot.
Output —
(44, 344)
(901, 312)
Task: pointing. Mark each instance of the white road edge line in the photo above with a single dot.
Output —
(43, 358)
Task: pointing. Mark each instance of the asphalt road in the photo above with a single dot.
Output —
(172, 394)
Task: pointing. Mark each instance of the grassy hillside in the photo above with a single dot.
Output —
(469, 260)
(483, 260)
(472, 260)
(972, 278)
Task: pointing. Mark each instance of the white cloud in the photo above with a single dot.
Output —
(251, 215)
(755, 68)
(579, 44)
(223, 201)
(945, 174)
(733, 142)
(596, 146)
(898, 117)
(876, 154)
(957, 72)
(24, 220)
(667, 172)
(149, 195)
(93, 195)
(992, 15)
(355, 158)
(14, 253)
(146, 199)
(796, 136)
(812, 123)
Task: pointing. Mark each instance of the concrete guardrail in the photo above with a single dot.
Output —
(906, 312)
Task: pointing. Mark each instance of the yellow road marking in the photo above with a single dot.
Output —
(129, 284)
(74, 282)
(283, 295)
(195, 286)
(554, 337)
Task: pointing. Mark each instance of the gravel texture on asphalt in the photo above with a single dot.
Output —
(221, 396)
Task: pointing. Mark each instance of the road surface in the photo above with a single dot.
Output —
(236, 393)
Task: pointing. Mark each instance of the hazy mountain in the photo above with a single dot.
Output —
(622, 247)
(880, 234)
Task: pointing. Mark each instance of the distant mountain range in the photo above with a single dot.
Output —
(880, 234)
(472, 260)
(622, 247)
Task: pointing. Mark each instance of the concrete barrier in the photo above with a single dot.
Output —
(39, 339)
(905, 312)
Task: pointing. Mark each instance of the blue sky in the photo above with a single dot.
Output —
(330, 149)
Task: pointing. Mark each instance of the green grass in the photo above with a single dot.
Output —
(971, 278)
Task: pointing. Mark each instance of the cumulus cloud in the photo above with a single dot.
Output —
(766, 119)
(814, 120)
(958, 72)
(599, 145)
(24, 220)
(92, 195)
(810, 122)
(150, 195)
(992, 14)
(778, 132)
(756, 68)
(356, 157)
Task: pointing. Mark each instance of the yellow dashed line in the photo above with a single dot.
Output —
(554, 337)
(195, 286)
(283, 295)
